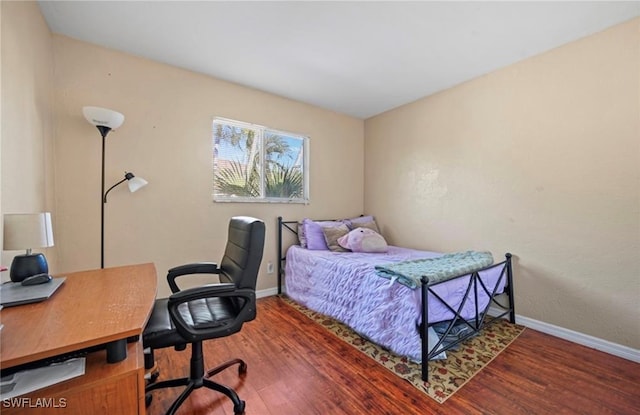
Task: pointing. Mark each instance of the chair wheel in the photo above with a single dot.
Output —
(239, 408)
(148, 397)
(154, 376)
(242, 368)
(152, 373)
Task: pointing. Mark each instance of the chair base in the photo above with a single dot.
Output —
(242, 368)
(193, 384)
(197, 380)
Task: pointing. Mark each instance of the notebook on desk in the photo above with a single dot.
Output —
(14, 293)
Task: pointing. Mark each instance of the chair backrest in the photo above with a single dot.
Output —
(243, 253)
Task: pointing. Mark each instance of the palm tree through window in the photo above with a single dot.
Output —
(254, 163)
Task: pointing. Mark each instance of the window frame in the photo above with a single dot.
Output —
(259, 133)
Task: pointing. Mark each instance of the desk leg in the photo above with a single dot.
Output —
(116, 351)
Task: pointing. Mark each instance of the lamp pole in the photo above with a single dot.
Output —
(103, 131)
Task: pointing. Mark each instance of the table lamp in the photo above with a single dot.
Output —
(27, 231)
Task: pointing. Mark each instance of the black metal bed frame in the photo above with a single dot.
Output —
(475, 286)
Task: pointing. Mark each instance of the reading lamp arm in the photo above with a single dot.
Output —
(127, 176)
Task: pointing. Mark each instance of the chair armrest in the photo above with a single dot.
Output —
(246, 313)
(204, 291)
(187, 269)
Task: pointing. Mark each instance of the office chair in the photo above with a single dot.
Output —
(210, 311)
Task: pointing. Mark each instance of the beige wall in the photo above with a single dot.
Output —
(166, 138)
(27, 117)
(541, 159)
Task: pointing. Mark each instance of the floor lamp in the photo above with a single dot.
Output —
(106, 120)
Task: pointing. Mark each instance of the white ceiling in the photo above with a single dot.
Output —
(358, 58)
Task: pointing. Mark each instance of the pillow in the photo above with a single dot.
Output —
(314, 235)
(331, 235)
(358, 219)
(301, 236)
(369, 225)
(363, 240)
(362, 222)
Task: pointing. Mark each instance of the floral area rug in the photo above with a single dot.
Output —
(445, 376)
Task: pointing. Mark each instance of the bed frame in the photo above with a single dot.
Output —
(476, 324)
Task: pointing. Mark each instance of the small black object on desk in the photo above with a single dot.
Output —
(37, 279)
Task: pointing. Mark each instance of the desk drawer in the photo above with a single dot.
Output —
(103, 389)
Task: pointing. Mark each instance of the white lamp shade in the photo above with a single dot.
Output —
(136, 183)
(103, 117)
(27, 231)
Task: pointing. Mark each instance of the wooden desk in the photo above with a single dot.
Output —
(91, 308)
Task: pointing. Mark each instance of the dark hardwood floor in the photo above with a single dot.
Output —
(297, 367)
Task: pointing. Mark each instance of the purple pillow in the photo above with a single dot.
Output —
(315, 236)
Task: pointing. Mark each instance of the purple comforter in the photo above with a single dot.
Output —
(346, 287)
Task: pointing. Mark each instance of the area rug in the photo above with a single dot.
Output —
(446, 376)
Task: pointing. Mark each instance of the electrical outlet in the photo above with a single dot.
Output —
(270, 269)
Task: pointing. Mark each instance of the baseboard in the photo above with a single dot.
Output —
(577, 337)
(267, 293)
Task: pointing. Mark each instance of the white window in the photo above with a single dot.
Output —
(252, 163)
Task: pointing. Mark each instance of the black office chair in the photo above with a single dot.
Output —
(211, 311)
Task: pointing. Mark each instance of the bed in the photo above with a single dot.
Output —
(397, 315)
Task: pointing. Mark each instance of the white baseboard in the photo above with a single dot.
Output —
(577, 337)
(267, 293)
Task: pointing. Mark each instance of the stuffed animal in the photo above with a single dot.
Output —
(363, 240)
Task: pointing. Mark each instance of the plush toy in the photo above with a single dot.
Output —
(363, 240)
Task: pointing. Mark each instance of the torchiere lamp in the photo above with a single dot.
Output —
(27, 231)
(106, 120)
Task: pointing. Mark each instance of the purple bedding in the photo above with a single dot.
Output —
(346, 287)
